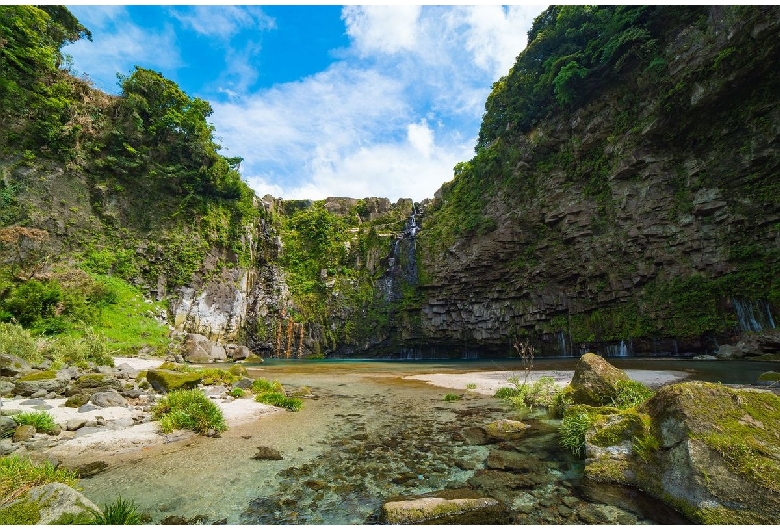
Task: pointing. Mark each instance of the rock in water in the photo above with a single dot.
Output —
(594, 380)
(441, 510)
(267, 453)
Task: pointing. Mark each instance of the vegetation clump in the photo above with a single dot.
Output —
(188, 409)
(120, 512)
(19, 474)
(272, 393)
(452, 397)
(41, 420)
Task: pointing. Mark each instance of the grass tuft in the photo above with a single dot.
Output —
(189, 409)
(42, 421)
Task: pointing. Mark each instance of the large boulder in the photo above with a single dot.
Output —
(199, 349)
(594, 381)
(707, 449)
(91, 383)
(237, 352)
(169, 380)
(12, 366)
(111, 398)
(52, 503)
(41, 382)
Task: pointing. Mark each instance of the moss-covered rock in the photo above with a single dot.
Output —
(708, 450)
(594, 380)
(12, 365)
(45, 380)
(52, 503)
(769, 379)
(91, 383)
(168, 380)
(445, 508)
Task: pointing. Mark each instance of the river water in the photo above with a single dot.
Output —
(369, 435)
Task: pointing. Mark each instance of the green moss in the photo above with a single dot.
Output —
(606, 469)
(76, 400)
(614, 428)
(769, 377)
(21, 512)
(168, 380)
(39, 376)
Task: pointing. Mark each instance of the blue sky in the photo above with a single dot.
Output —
(322, 100)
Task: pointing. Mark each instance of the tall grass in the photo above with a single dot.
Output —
(188, 409)
(272, 393)
(19, 474)
(41, 420)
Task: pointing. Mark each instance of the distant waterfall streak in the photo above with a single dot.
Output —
(617, 350)
(753, 316)
(288, 345)
(563, 350)
(300, 341)
(279, 338)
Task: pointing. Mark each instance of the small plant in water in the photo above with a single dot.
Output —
(42, 421)
(574, 425)
(471, 386)
(452, 397)
(120, 512)
(272, 393)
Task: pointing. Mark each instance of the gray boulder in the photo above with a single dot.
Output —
(40, 383)
(198, 349)
(594, 381)
(237, 352)
(108, 399)
(727, 352)
(12, 366)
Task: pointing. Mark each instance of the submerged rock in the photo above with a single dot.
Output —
(449, 508)
(267, 453)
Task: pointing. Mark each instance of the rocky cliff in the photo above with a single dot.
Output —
(622, 199)
(642, 219)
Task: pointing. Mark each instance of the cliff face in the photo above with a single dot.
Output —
(648, 215)
(623, 199)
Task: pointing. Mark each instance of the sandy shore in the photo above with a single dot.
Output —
(488, 382)
(110, 431)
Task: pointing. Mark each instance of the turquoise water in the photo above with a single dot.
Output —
(369, 435)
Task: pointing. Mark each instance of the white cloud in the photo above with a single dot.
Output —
(384, 29)
(119, 44)
(223, 21)
(391, 117)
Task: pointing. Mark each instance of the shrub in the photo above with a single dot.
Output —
(188, 409)
(452, 397)
(19, 474)
(263, 385)
(42, 421)
(237, 392)
(576, 422)
(542, 392)
(15, 340)
(120, 512)
(90, 347)
(272, 393)
(630, 394)
(217, 376)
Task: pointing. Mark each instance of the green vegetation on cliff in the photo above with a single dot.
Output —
(105, 200)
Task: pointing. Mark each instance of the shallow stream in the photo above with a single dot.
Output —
(370, 435)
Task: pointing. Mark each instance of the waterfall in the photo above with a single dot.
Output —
(753, 316)
(618, 350)
(402, 262)
(564, 349)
